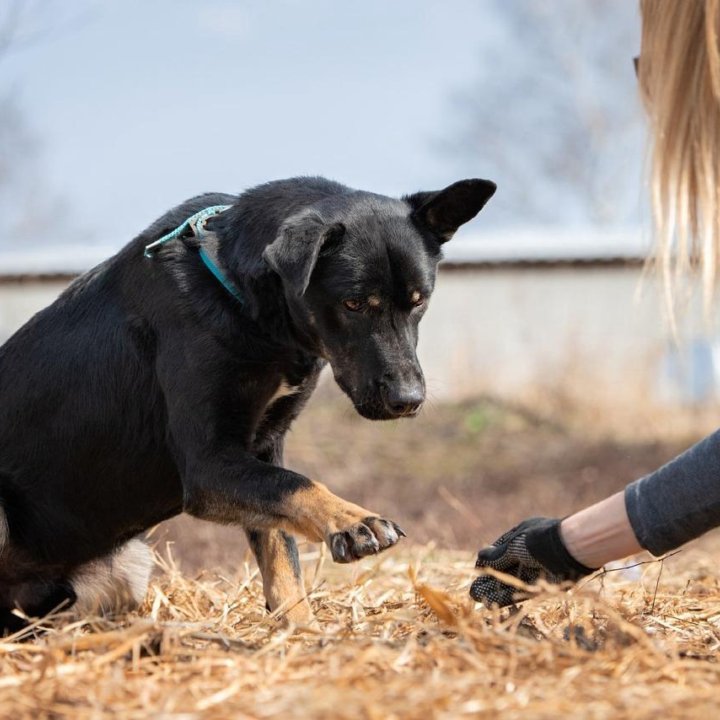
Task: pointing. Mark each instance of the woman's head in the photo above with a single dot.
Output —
(679, 76)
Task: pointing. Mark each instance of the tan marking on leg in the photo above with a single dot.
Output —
(317, 513)
(282, 577)
(350, 531)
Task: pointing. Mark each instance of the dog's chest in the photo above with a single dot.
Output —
(284, 399)
(280, 407)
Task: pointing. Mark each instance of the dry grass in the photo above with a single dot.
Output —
(396, 637)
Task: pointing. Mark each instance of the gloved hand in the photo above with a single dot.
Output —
(531, 550)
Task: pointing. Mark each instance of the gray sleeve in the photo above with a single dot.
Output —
(678, 502)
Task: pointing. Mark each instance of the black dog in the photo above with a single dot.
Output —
(148, 388)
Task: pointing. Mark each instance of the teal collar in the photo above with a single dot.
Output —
(196, 224)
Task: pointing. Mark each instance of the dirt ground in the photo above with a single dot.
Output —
(396, 636)
(457, 476)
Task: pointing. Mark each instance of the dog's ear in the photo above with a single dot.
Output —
(444, 211)
(294, 252)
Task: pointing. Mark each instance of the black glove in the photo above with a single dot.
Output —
(531, 550)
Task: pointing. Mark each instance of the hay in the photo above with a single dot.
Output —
(396, 637)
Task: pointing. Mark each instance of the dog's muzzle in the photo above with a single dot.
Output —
(402, 400)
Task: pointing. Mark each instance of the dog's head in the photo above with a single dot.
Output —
(358, 270)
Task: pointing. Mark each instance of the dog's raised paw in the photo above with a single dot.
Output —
(369, 537)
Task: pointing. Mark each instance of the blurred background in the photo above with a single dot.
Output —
(552, 375)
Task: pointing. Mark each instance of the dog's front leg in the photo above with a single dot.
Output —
(223, 482)
(258, 495)
(350, 531)
(277, 557)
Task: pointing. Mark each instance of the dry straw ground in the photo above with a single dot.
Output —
(396, 637)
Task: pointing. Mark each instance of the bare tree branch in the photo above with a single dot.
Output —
(553, 116)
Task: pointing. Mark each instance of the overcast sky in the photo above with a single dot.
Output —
(142, 103)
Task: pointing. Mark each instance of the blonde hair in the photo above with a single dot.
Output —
(679, 78)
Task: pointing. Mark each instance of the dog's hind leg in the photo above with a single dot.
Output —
(277, 557)
(34, 599)
(111, 584)
(114, 583)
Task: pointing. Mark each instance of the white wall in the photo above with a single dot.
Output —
(590, 332)
(516, 328)
(577, 330)
(19, 301)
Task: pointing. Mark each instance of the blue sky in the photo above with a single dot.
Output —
(139, 105)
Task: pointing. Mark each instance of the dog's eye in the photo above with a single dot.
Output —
(353, 305)
(417, 299)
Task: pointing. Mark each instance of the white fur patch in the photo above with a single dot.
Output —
(114, 583)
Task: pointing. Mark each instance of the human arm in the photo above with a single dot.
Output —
(659, 512)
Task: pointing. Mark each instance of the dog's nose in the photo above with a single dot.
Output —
(402, 401)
